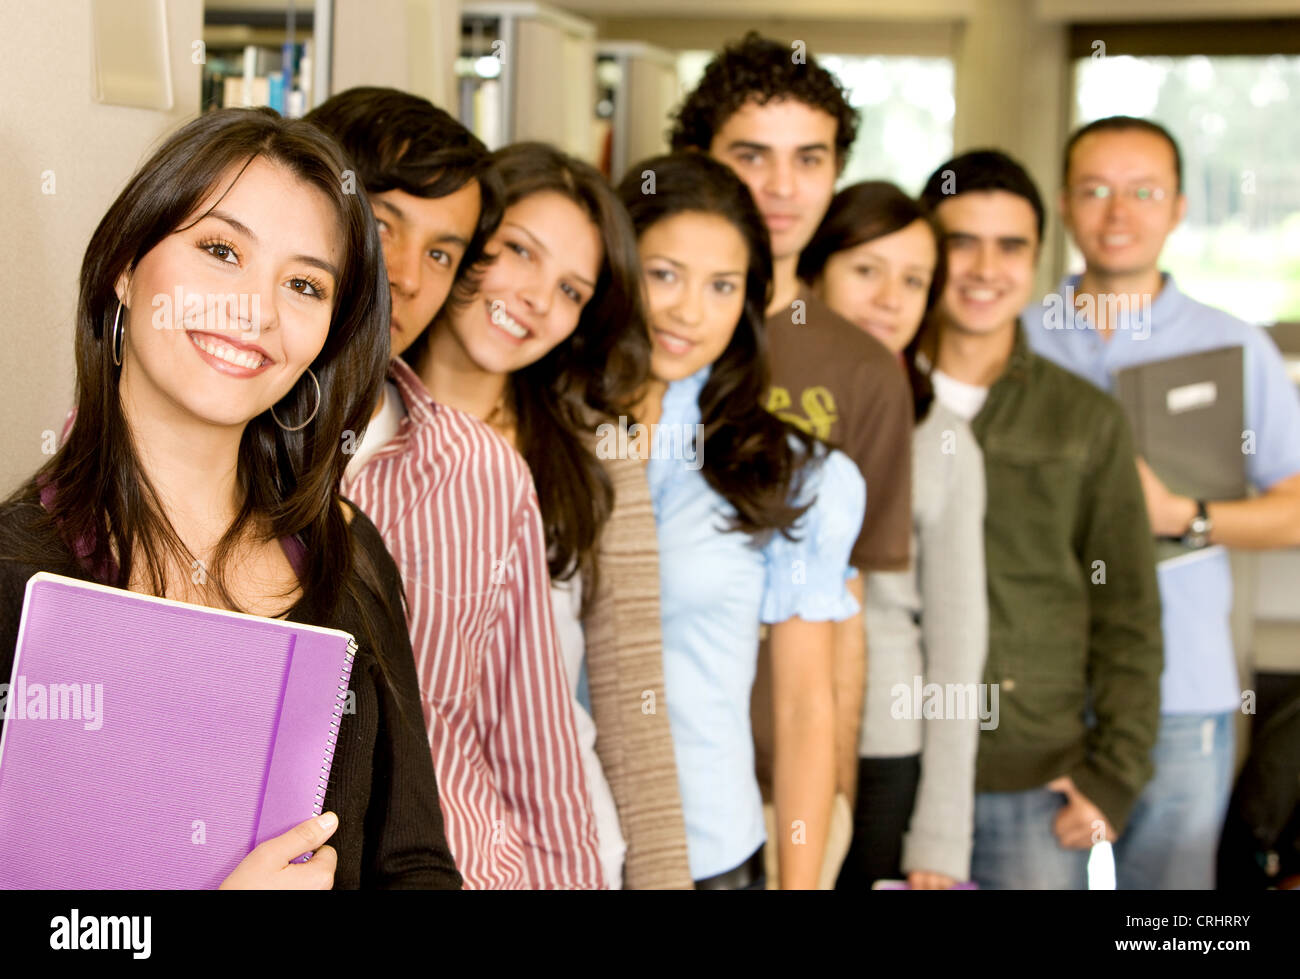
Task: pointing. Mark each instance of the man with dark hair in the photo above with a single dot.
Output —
(457, 508)
(1074, 649)
(1120, 200)
(760, 70)
(784, 124)
(1124, 124)
(433, 193)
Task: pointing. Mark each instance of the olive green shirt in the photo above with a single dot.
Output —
(1074, 609)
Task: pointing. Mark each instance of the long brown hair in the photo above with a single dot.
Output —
(747, 453)
(596, 369)
(864, 212)
(101, 502)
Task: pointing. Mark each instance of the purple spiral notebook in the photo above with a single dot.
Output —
(149, 743)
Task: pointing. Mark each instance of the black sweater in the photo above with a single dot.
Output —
(382, 787)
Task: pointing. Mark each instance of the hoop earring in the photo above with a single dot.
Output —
(116, 335)
(296, 428)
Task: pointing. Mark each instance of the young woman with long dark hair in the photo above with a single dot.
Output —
(755, 527)
(546, 352)
(232, 329)
(876, 260)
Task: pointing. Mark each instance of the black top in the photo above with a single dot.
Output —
(381, 785)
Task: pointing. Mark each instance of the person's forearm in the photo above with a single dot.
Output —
(1270, 520)
(1265, 522)
(803, 738)
(850, 688)
(803, 786)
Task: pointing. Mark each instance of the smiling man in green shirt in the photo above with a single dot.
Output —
(1074, 611)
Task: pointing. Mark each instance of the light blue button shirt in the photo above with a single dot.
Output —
(715, 589)
(1196, 590)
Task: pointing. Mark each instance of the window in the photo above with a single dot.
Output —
(905, 108)
(1234, 119)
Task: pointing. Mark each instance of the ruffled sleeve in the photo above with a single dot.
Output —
(806, 577)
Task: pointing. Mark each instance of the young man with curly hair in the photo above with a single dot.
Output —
(784, 124)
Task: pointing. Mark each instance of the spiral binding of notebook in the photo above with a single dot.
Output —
(336, 720)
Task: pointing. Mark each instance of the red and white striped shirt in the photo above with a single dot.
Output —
(457, 508)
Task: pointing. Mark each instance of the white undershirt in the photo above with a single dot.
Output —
(962, 399)
(566, 602)
(379, 432)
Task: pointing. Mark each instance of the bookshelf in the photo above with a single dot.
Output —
(266, 53)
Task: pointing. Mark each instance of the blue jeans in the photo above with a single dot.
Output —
(1015, 848)
(1173, 833)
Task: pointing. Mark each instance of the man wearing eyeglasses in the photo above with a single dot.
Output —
(1122, 198)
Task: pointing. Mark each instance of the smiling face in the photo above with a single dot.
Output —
(548, 256)
(784, 151)
(881, 285)
(991, 238)
(694, 266)
(424, 240)
(1120, 234)
(224, 316)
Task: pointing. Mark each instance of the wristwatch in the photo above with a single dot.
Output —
(1198, 531)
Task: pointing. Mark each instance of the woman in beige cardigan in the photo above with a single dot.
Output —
(626, 681)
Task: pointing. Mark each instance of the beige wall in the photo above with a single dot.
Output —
(406, 44)
(369, 44)
(555, 87)
(860, 34)
(1139, 10)
(1010, 83)
(653, 89)
(49, 121)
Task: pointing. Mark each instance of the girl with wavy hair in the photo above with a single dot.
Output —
(547, 351)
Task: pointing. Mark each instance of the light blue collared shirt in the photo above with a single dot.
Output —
(1196, 590)
(716, 587)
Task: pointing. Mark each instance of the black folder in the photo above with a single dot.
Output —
(1188, 420)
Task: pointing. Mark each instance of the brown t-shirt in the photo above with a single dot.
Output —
(843, 386)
